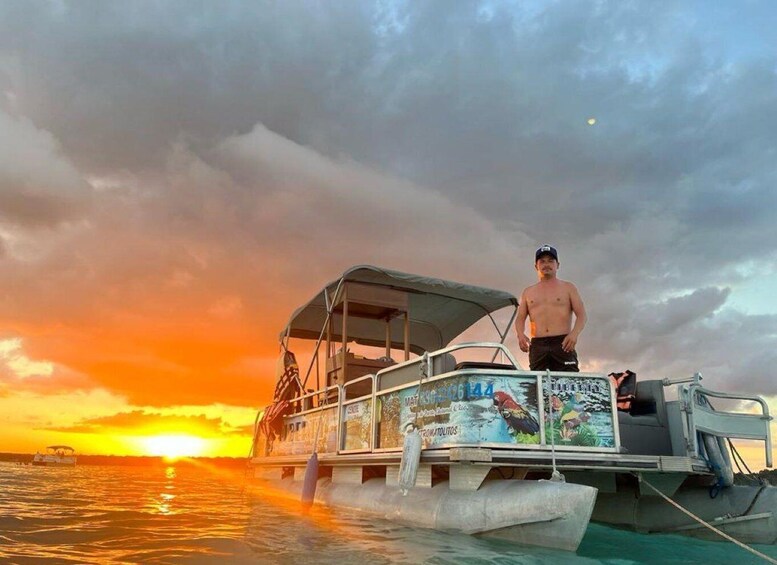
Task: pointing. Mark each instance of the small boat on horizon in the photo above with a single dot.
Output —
(56, 456)
(525, 456)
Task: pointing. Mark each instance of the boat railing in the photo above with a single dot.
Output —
(351, 383)
(359, 424)
(546, 383)
(408, 372)
(317, 400)
(498, 348)
(700, 416)
(307, 426)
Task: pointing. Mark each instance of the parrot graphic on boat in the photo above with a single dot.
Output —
(518, 419)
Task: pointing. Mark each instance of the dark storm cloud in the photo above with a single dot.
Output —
(117, 83)
(283, 141)
(38, 186)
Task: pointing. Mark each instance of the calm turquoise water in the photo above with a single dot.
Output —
(180, 514)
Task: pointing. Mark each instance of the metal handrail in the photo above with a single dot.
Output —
(544, 445)
(730, 396)
(354, 381)
(375, 394)
(438, 352)
(444, 376)
(477, 345)
(321, 391)
(688, 395)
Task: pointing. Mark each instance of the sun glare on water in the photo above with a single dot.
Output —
(174, 446)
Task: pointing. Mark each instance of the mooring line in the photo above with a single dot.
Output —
(555, 475)
(707, 525)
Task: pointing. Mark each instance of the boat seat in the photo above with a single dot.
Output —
(483, 365)
(444, 363)
(649, 401)
(397, 376)
(356, 367)
(644, 429)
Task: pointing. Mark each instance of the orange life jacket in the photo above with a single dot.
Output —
(625, 385)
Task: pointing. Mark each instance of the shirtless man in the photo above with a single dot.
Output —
(549, 305)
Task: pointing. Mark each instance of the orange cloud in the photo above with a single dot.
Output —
(175, 288)
(140, 421)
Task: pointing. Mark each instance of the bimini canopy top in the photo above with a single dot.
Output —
(439, 310)
(58, 447)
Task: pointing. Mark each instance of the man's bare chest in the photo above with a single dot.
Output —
(549, 299)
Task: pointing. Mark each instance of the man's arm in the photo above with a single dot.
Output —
(520, 323)
(578, 308)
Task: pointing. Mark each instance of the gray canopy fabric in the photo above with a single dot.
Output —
(439, 310)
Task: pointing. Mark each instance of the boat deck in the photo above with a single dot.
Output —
(538, 460)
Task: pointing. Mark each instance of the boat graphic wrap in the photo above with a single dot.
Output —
(582, 412)
(494, 409)
(300, 433)
(357, 424)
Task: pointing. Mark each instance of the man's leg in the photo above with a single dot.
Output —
(539, 357)
(564, 360)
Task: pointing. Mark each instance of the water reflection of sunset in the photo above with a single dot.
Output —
(163, 503)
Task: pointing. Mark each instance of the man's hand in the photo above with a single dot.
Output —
(523, 342)
(569, 342)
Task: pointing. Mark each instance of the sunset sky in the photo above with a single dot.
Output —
(177, 177)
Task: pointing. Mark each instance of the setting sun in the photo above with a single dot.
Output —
(174, 446)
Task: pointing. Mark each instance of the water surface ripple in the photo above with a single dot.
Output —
(204, 514)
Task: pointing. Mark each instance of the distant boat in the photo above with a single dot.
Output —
(56, 456)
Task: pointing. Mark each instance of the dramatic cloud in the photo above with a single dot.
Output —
(139, 421)
(38, 187)
(169, 193)
(147, 300)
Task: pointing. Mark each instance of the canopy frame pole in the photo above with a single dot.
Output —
(503, 335)
(285, 339)
(328, 348)
(329, 311)
(407, 336)
(344, 348)
(328, 326)
(388, 337)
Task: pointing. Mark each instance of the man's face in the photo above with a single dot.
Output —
(546, 266)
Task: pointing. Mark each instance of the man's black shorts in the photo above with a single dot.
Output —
(546, 353)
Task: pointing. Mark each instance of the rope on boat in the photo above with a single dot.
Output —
(755, 478)
(555, 475)
(706, 524)
(413, 444)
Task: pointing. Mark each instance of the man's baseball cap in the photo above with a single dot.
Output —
(546, 250)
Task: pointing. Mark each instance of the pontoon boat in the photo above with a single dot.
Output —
(56, 456)
(508, 453)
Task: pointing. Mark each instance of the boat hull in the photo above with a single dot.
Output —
(541, 513)
(54, 461)
(744, 512)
